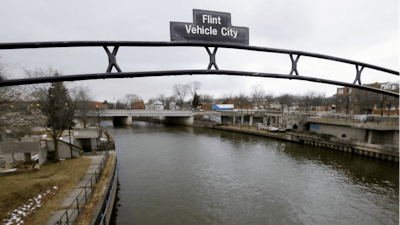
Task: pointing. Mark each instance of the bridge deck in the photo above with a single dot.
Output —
(142, 112)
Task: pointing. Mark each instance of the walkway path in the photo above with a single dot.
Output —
(70, 198)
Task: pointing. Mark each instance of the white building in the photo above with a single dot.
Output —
(173, 106)
(390, 86)
(157, 105)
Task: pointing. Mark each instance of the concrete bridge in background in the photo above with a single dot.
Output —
(124, 116)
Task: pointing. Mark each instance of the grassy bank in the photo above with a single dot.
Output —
(90, 207)
(16, 190)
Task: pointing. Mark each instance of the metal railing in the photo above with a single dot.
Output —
(361, 119)
(338, 137)
(84, 194)
(108, 196)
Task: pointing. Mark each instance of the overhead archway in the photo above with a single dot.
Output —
(294, 57)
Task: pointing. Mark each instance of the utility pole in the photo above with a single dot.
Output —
(98, 114)
(70, 145)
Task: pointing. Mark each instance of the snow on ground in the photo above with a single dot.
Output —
(18, 215)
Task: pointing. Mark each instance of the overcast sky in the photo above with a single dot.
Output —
(360, 30)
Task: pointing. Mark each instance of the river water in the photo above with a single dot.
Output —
(189, 175)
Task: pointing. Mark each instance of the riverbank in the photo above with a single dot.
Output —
(49, 185)
(370, 150)
(85, 201)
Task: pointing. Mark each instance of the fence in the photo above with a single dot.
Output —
(84, 194)
(106, 204)
(362, 119)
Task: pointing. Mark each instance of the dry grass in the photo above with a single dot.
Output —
(99, 191)
(17, 189)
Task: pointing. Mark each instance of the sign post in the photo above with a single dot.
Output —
(209, 26)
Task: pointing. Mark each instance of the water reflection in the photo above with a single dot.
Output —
(186, 175)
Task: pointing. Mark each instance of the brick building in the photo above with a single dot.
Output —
(355, 101)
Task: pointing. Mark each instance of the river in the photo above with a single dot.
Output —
(190, 175)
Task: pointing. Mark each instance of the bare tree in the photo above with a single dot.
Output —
(168, 100)
(365, 100)
(257, 93)
(131, 98)
(55, 103)
(318, 100)
(227, 98)
(301, 100)
(209, 99)
(391, 102)
(8, 95)
(120, 104)
(285, 100)
(313, 98)
(162, 99)
(82, 100)
(3, 69)
(269, 97)
(181, 91)
(39, 91)
(194, 87)
(151, 100)
(243, 101)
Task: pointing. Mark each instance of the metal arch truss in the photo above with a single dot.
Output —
(294, 64)
(112, 62)
(212, 58)
(112, 59)
(358, 76)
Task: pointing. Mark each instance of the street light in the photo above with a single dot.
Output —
(98, 114)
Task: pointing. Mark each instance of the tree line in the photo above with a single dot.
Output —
(59, 103)
(188, 96)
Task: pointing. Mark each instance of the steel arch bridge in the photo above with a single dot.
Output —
(293, 55)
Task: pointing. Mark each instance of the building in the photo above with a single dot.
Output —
(138, 105)
(355, 101)
(173, 106)
(100, 105)
(223, 107)
(240, 104)
(156, 105)
(205, 106)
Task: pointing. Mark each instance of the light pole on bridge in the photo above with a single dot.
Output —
(98, 114)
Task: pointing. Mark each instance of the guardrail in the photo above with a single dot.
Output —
(90, 185)
(353, 119)
(108, 196)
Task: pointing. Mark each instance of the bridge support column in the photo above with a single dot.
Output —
(10, 160)
(251, 121)
(242, 121)
(234, 119)
(122, 120)
(184, 120)
(126, 120)
(93, 143)
(264, 120)
(369, 132)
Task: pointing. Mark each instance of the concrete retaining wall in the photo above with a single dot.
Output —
(96, 217)
(338, 131)
(365, 149)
